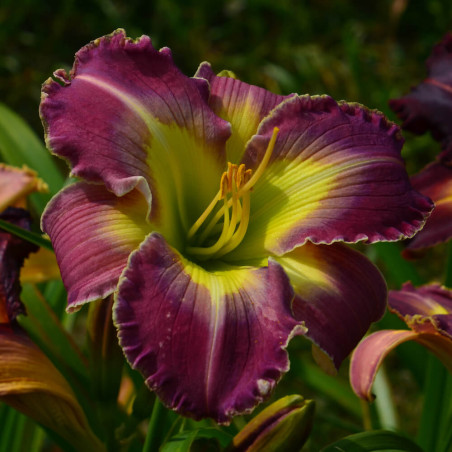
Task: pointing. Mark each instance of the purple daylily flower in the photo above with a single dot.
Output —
(428, 107)
(211, 209)
(434, 181)
(427, 311)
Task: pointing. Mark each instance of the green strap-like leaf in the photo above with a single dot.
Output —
(29, 236)
(376, 440)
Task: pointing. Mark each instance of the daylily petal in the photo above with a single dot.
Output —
(127, 117)
(439, 344)
(368, 356)
(40, 266)
(434, 181)
(210, 343)
(339, 293)
(13, 251)
(430, 300)
(93, 233)
(16, 184)
(242, 105)
(30, 383)
(371, 352)
(335, 175)
(427, 310)
(429, 105)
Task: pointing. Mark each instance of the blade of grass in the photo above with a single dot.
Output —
(433, 402)
(8, 429)
(29, 236)
(51, 335)
(445, 430)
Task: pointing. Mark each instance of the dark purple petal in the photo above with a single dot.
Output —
(336, 174)
(210, 343)
(127, 117)
(417, 306)
(428, 107)
(93, 233)
(339, 293)
(244, 106)
(434, 181)
(13, 252)
(425, 300)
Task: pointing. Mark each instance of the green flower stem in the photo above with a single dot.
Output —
(384, 403)
(366, 416)
(151, 437)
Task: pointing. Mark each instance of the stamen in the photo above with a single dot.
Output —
(197, 224)
(241, 231)
(231, 170)
(240, 176)
(213, 224)
(235, 186)
(202, 252)
(262, 165)
(224, 185)
(234, 215)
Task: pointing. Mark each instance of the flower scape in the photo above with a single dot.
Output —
(215, 213)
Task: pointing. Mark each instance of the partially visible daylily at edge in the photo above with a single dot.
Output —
(29, 382)
(434, 181)
(211, 209)
(428, 107)
(427, 311)
(16, 184)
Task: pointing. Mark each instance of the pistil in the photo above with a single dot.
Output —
(235, 186)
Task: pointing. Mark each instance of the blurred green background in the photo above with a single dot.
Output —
(354, 50)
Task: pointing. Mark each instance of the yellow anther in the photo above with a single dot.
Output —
(224, 183)
(239, 176)
(232, 168)
(247, 175)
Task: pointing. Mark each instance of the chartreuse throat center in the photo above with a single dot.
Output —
(222, 226)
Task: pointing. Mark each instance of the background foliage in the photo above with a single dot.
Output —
(366, 52)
